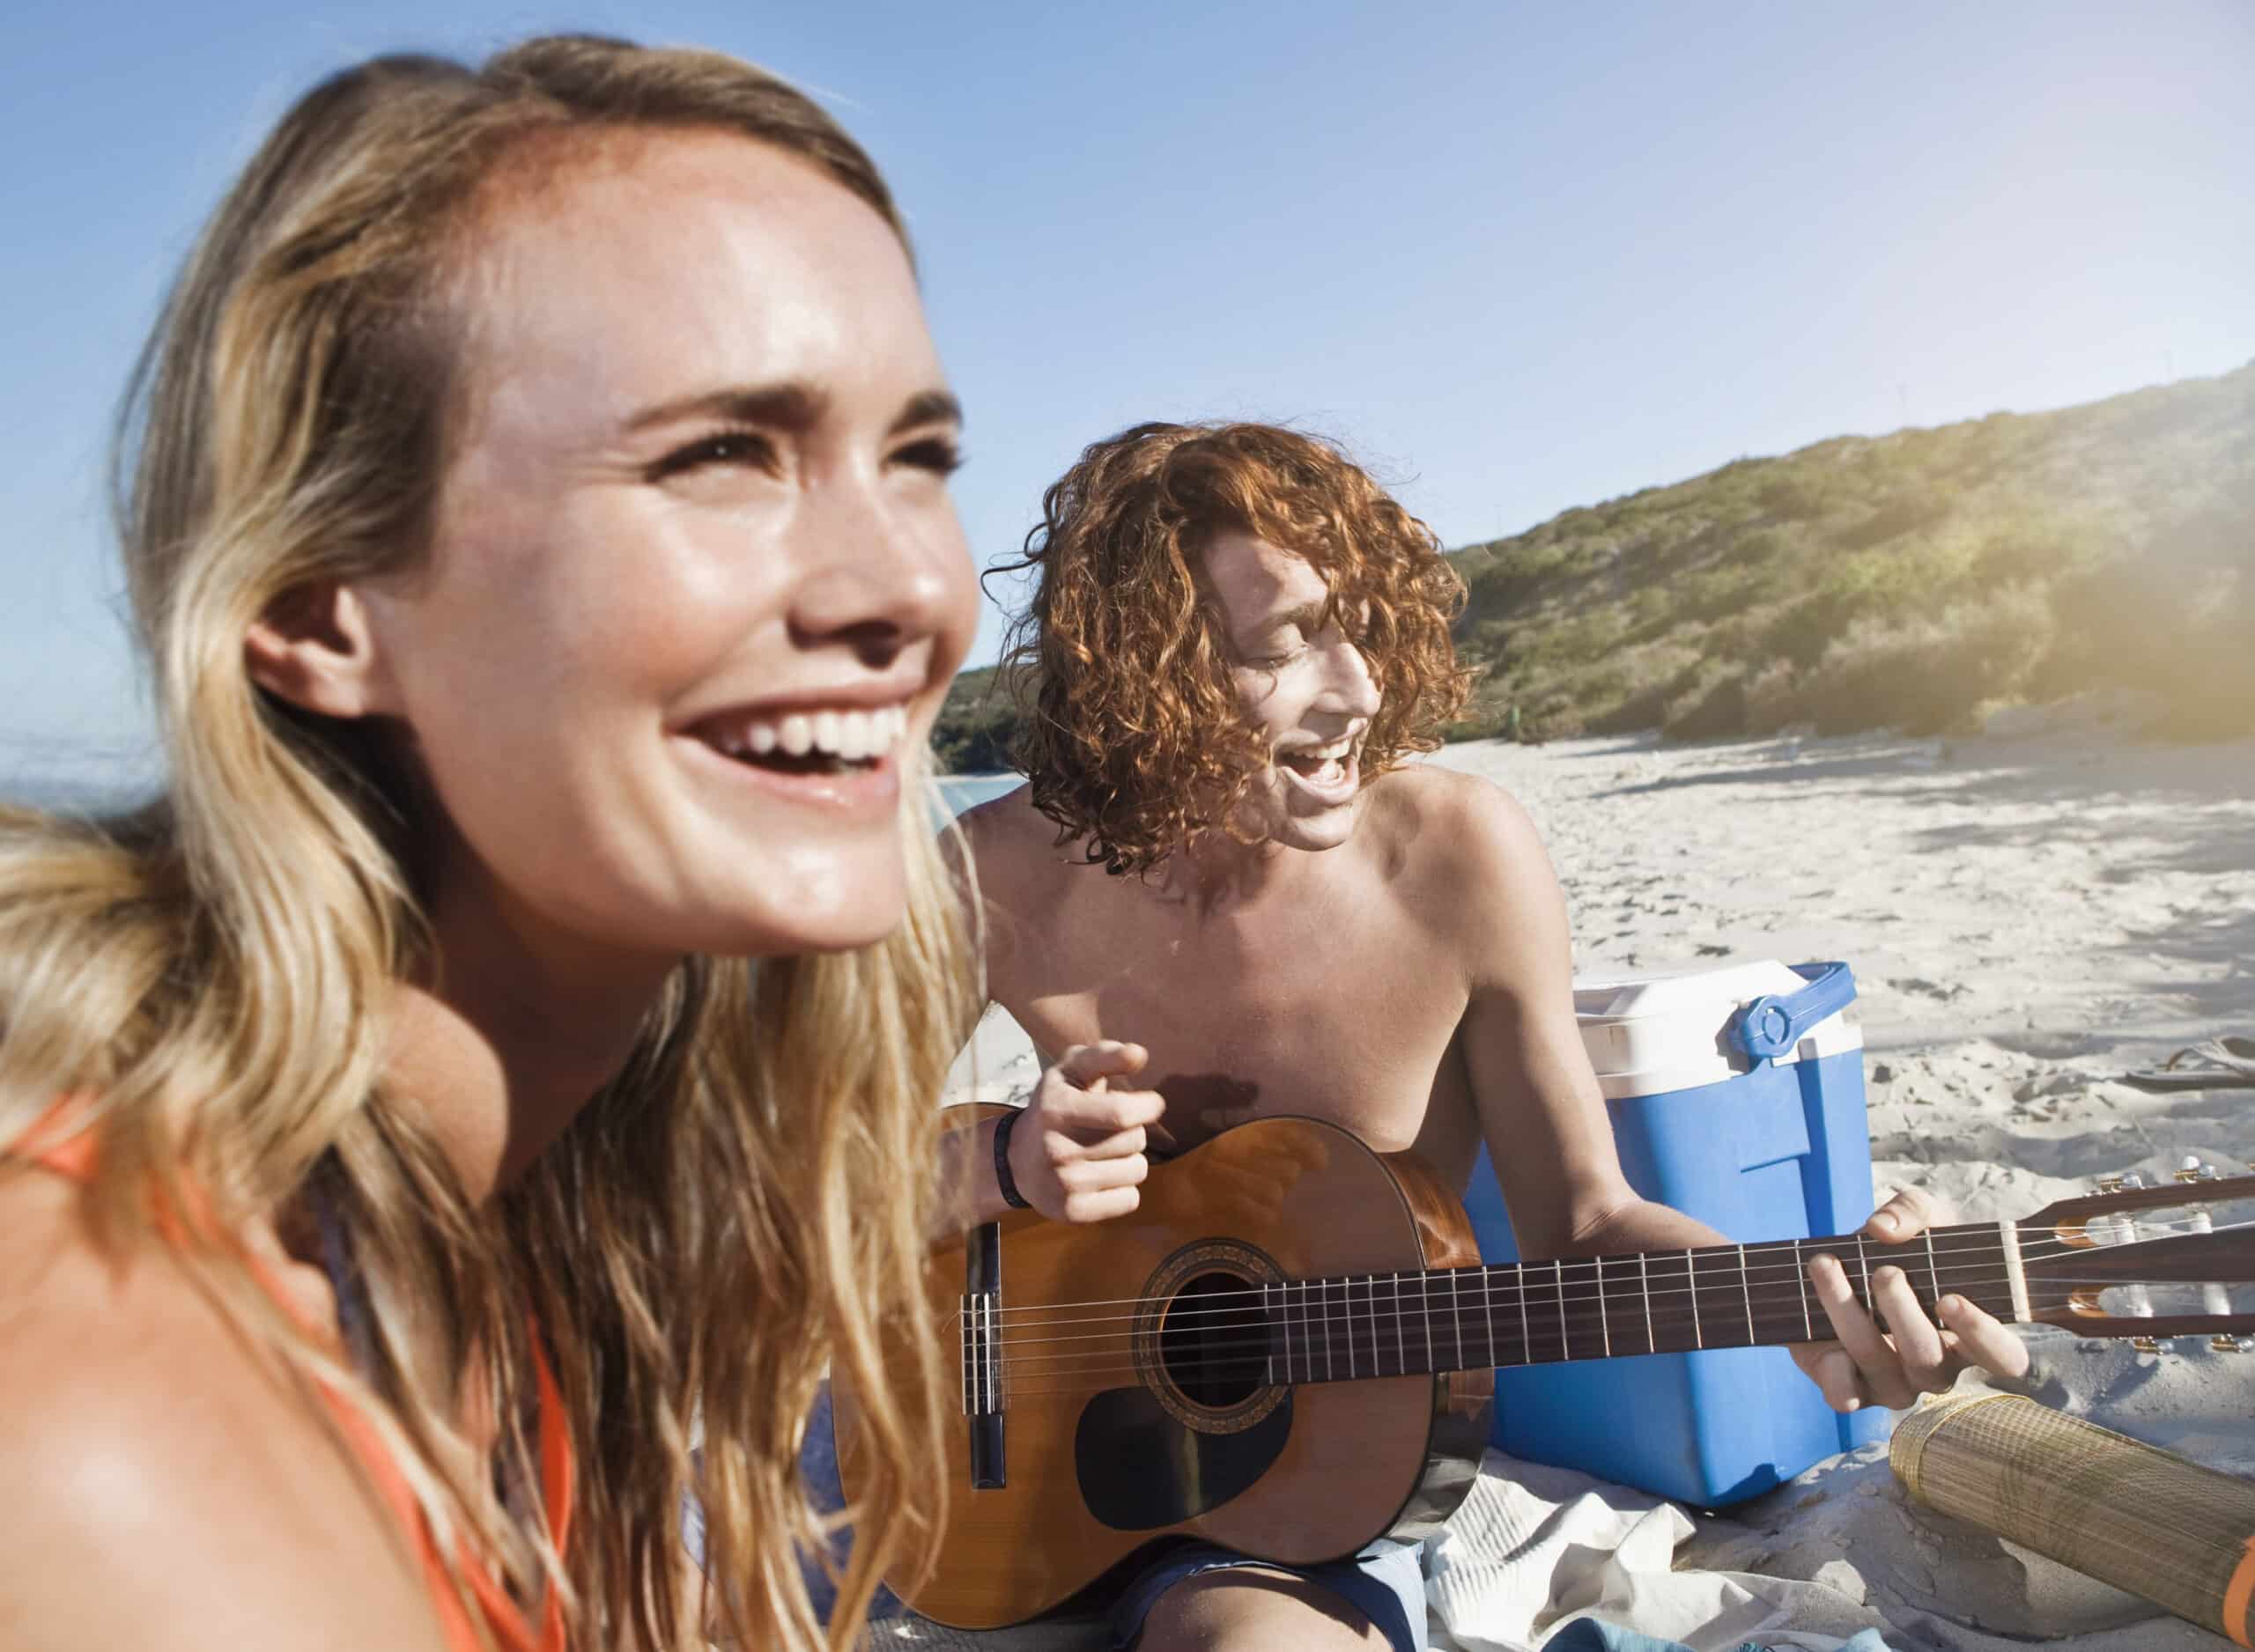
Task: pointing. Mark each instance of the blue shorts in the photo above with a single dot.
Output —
(1384, 1583)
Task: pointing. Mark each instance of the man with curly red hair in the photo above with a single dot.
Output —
(1234, 639)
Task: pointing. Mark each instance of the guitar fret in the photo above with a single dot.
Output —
(1934, 1273)
(1604, 1324)
(1645, 1285)
(1327, 1332)
(1691, 1289)
(1488, 1308)
(1526, 1333)
(1565, 1348)
(1746, 1290)
(1425, 1301)
(1863, 1254)
(1457, 1314)
(1800, 1274)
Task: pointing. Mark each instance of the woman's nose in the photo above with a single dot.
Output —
(883, 576)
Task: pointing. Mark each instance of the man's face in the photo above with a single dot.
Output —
(1305, 687)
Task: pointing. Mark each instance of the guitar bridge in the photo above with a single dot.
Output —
(982, 1355)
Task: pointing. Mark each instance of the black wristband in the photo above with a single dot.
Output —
(1004, 1179)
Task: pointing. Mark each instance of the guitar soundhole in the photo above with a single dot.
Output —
(1214, 1342)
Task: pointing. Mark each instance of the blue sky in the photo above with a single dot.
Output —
(1520, 257)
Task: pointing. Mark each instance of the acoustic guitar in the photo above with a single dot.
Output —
(1288, 1348)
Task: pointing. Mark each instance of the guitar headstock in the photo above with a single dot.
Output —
(2148, 1260)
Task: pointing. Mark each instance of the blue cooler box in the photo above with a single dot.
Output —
(1737, 1096)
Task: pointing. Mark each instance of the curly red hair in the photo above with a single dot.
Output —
(1133, 735)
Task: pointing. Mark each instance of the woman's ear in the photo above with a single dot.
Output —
(316, 648)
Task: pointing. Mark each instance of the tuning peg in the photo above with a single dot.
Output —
(2232, 1344)
(2194, 1170)
(2109, 1183)
(2145, 1344)
(2132, 1179)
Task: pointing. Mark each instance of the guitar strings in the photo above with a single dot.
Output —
(1568, 1312)
(1601, 1317)
(1544, 1315)
(1257, 1354)
(1587, 1272)
(1976, 1237)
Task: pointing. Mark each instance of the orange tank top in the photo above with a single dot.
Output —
(504, 1622)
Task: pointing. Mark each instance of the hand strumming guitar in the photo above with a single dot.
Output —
(1078, 1152)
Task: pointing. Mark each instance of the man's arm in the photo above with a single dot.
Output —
(1077, 1152)
(1547, 1131)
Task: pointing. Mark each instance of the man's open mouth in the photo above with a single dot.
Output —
(1322, 766)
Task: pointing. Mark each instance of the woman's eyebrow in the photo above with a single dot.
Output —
(791, 406)
(927, 407)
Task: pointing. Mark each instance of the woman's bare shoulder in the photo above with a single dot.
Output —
(169, 1486)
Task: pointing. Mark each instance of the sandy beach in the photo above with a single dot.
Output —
(2027, 918)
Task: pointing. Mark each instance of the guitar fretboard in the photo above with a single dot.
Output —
(1421, 1322)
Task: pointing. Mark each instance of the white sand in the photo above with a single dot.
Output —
(2027, 918)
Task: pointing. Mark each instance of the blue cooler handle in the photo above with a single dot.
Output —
(1773, 1024)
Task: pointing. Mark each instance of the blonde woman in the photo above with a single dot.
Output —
(501, 1044)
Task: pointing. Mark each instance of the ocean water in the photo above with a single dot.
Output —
(968, 791)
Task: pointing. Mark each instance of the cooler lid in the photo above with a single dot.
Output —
(1650, 1033)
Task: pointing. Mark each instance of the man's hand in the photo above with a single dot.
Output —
(1078, 1152)
(1869, 1367)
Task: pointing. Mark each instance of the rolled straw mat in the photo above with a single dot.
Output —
(2126, 1513)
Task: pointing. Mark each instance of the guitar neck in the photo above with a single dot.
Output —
(1344, 1329)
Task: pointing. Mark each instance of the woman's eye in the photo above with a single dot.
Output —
(729, 448)
(937, 455)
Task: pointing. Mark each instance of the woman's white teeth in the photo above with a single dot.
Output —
(850, 736)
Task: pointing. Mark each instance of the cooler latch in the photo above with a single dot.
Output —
(1774, 1024)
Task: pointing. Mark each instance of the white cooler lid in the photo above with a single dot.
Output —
(1649, 1033)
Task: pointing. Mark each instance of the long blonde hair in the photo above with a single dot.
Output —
(743, 1205)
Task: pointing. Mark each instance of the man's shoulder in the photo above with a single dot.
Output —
(1014, 847)
(1449, 821)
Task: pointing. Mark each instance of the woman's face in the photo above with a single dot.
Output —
(697, 586)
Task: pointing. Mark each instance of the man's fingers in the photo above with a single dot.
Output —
(1909, 1213)
(1918, 1344)
(1882, 1371)
(1095, 1176)
(1837, 1377)
(1084, 1065)
(1119, 1145)
(1984, 1340)
(1093, 1115)
(1103, 1205)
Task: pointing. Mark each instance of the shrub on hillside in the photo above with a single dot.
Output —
(1926, 676)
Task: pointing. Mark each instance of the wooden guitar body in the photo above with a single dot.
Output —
(1128, 1410)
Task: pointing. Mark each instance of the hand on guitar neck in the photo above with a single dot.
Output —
(1892, 1364)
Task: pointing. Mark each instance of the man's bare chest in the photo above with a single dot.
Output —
(1348, 1018)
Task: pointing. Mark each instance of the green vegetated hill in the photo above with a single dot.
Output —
(1914, 581)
